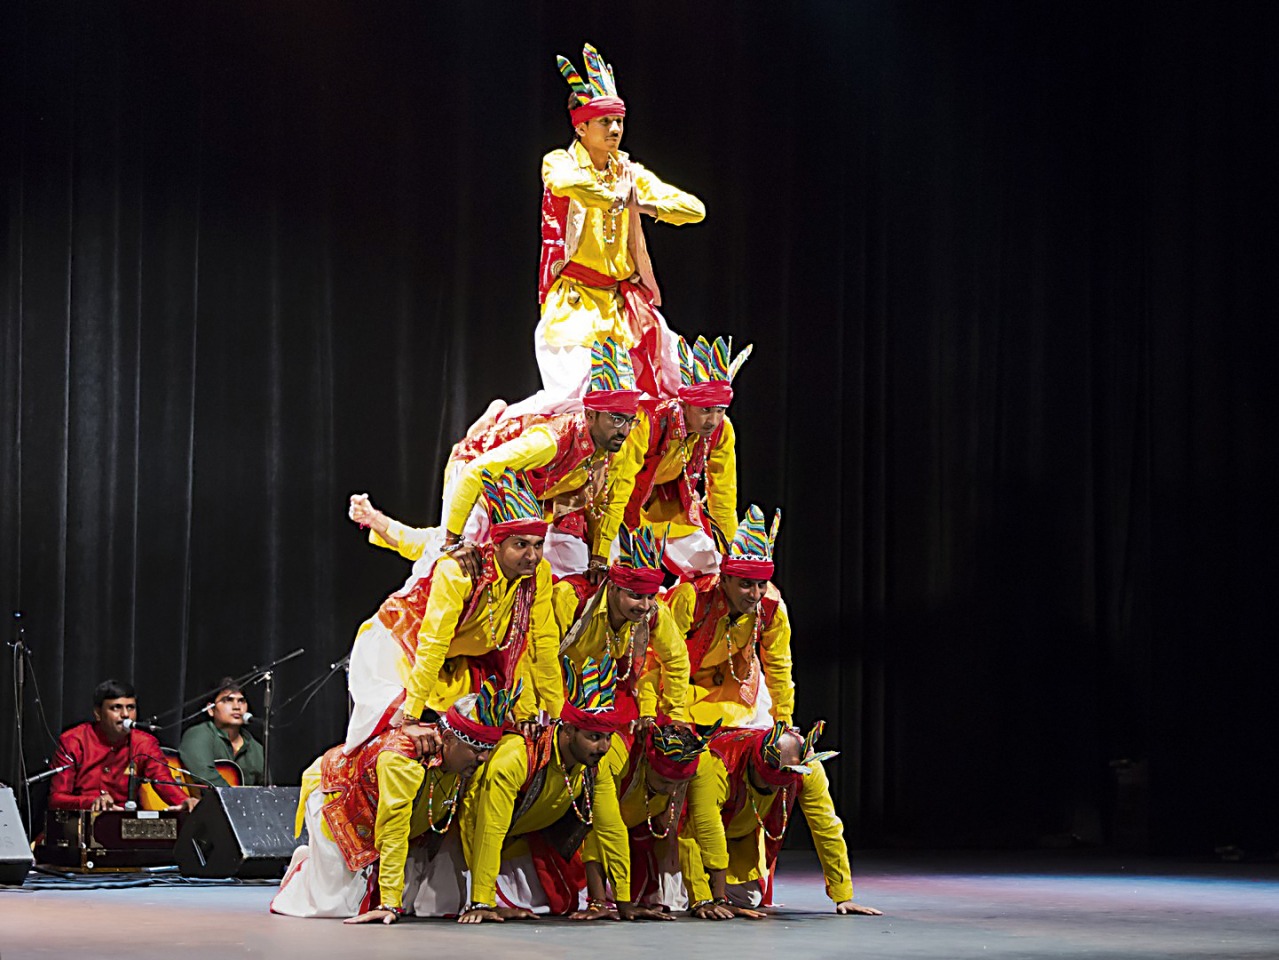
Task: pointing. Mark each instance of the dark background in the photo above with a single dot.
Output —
(1007, 267)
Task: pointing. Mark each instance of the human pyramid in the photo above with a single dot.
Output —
(538, 726)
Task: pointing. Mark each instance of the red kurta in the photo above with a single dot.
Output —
(100, 765)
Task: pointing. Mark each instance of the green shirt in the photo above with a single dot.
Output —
(204, 743)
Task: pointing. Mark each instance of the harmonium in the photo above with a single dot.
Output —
(109, 840)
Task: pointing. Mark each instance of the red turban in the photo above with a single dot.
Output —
(599, 107)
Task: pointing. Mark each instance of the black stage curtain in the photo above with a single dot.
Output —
(1006, 267)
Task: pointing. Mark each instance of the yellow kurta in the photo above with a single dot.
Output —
(711, 701)
(431, 684)
(740, 848)
(609, 843)
(410, 542)
(403, 813)
(536, 447)
(577, 314)
(664, 673)
(669, 516)
(490, 802)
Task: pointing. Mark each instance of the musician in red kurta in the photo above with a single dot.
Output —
(105, 753)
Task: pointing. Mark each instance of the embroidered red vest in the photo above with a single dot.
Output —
(710, 606)
(573, 444)
(353, 812)
(402, 612)
(665, 421)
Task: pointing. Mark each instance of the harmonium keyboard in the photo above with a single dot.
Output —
(109, 839)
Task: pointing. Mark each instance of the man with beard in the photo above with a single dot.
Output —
(528, 811)
(623, 619)
(736, 628)
(363, 809)
(438, 639)
(739, 805)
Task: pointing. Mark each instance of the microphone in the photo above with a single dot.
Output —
(246, 716)
(130, 724)
(132, 802)
(47, 774)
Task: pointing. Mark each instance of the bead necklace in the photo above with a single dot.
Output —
(493, 623)
(755, 810)
(607, 178)
(670, 814)
(586, 797)
(622, 648)
(689, 480)
(748, 648)
(451, 803)
(595, 506)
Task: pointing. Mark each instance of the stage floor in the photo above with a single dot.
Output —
(1012, 905)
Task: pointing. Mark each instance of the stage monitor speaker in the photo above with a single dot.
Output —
(244, 832)
(15, 854)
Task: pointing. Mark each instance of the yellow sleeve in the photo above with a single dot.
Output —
(681, 601)
(721, 482)
(535, 447)
(667, 653)
(493, 793)
(449, 589)
(707, 795)
(411, 540)
(611, 839)
(775, 656)
(565, 178)
(623, 467)
(544, 647)
(828, 834)
(673, 205)
(694, 871)
(398, 781)
(564, 601)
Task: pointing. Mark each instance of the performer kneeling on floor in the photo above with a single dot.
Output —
(391, 801)
(739, 805)
(528, 811)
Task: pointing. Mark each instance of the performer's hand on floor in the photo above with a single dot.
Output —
(848, 907)
(373, 916)
(713, 911)
(594, 913)
(632, 911)
(516, 913)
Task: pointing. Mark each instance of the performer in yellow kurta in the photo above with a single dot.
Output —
(739, 804)
(686, 439)
(434, 641)
(572, 463)
(526, 814)
(637, 809)
(623, 618)
(595, 277)
(362, 809)
(736, 628)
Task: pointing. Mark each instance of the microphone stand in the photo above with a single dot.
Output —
(266, 677)
(253, 676)
(20, 652)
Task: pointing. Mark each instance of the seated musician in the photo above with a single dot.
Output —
(224, 736)
(105, 753)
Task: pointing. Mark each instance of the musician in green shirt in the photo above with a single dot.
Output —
(224, 736)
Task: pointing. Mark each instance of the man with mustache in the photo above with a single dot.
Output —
(623, 618)
(528, 811)
(223, 736)
(739, 805)
(573, 462)
(362, 809)
(737, 631)
(437, 639)
(595, 278)
(104, 754)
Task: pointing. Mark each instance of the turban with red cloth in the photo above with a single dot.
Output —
(512, 508)
(596, 96)
(707, 370)
(673, 752)
(639, 560)
(750, 554)
(590, 697)
(479, 720)
(611, 388)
